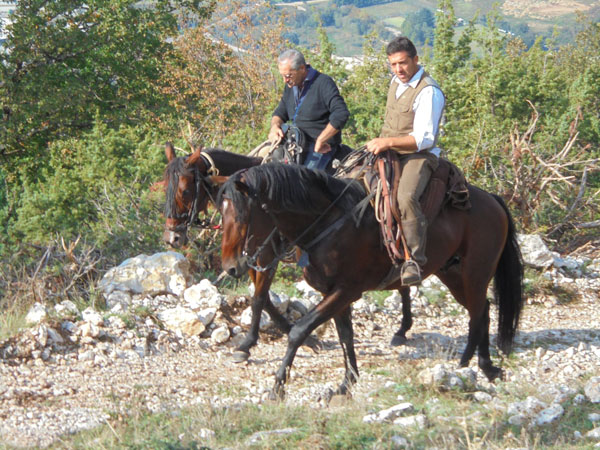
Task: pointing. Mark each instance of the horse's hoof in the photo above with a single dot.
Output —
(240, 356)
(493, 373)
(313, 343)
(277, 394)
(398, 340)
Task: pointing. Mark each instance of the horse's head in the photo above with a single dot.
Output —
(187, 193)
(246, 227)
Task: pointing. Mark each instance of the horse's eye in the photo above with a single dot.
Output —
(186, 192)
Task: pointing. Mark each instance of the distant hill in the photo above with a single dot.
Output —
(346, 24)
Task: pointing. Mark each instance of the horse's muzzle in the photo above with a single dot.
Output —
(238, 269)
(174, 238)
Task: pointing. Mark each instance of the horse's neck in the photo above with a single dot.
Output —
(228, 163)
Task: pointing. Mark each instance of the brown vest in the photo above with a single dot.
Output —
(399, 114)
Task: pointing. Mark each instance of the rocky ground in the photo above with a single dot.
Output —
(71, 369)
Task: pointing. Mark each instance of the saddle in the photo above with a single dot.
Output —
(291, 149)
(447, 187)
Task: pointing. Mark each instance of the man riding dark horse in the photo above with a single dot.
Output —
(414, 108)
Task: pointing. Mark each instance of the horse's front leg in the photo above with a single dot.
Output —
(332, 305)
(260, 300)
(343, 323)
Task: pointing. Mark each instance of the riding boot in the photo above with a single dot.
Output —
(415, 233)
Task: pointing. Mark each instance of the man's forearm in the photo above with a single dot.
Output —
(399, 144)
(327, 133)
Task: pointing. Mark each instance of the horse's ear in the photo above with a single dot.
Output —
(242, 187)
(170, 151)
(218, 180)
(194, 157)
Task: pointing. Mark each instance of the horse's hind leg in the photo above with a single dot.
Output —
(474, 299)
(400, 336)
(343, 323)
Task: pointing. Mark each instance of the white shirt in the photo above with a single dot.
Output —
(428, 108)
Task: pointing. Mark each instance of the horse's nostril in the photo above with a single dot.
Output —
(231, 272)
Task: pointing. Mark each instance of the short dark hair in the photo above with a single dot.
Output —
(401, 44)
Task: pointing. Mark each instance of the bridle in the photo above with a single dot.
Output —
(190, 217)
(252, 260)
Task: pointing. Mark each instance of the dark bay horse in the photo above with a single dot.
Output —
(192, 182)
(316, 212)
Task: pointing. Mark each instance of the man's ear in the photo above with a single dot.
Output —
(194, 157)
(170, 151)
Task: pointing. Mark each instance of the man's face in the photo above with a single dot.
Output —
(290, 76)
(403, 66)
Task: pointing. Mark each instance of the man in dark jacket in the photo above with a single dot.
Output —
(312, 102)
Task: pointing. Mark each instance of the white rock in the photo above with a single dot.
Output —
(182, 319)
(517, 420)
(594, 417)
(66, 307)
(118, 299)
(205, 434)
(550, 415)
(116, 322)
(592, 389)
(389, 414)
(220, 335)
(530, 407)
(593, 434)
(566, 263)
(207, 315)
(36, 314)
(400, 442)
(482, 397)
(167, 271)
(534, 250)
(91, 316)
(418, 421)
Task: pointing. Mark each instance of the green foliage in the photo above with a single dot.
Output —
(365, 94)
(419, 26)
(97, 186)
(68, 61)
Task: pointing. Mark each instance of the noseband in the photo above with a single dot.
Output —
(190, 217)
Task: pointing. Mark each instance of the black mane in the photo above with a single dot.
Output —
(293, 188)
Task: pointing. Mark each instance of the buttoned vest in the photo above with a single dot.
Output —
(399, 114)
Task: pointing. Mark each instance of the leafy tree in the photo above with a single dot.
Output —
(224, 79)
(67, 62)
(418, 26)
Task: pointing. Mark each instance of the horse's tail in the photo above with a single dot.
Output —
(508, 285)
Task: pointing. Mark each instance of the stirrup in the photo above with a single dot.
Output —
(410, 278)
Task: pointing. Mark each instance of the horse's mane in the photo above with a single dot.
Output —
(174, 169)
(294, 188)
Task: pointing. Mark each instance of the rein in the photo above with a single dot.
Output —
(251, 261)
